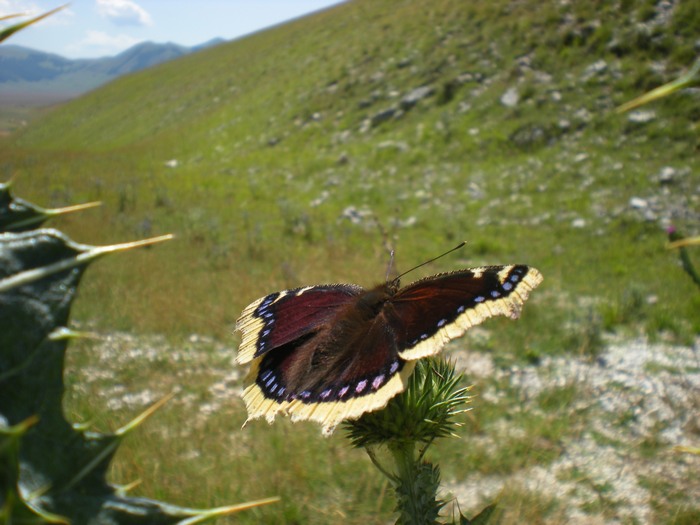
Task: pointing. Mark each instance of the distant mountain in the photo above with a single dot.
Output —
(29, 76)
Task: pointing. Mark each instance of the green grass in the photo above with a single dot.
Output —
(268, 136)
(194, 451)
(516, 505)
(673, 507)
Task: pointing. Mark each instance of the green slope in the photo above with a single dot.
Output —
(289, 142)
(339, 58)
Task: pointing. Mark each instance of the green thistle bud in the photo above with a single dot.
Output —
(425, 411)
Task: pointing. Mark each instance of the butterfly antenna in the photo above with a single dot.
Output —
(383, 233)
(387, 245)
(430, 260)
(390, 265)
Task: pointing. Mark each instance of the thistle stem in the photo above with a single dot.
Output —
(416, 489)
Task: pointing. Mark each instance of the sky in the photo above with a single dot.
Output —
(96, 28)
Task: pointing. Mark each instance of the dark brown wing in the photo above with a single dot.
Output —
(430, 312)
(282, 317)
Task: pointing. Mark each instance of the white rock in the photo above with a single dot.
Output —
(638, 203)
(510, 98)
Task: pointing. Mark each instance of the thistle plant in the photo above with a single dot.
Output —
(11, 30)
(18, 215)
(50, 470)
(679, 242)
(410, 423)
(689, 79)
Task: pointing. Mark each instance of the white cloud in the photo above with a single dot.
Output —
(101, 42)
(124, 12)
(13, 7)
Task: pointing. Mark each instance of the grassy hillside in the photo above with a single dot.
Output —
(276, 136)
(272, 159)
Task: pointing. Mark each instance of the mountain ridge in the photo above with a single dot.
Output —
(49, 77)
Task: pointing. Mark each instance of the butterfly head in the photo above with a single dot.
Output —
(372, 301)
(393, 286)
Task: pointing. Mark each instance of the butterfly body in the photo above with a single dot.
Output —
(333, 352)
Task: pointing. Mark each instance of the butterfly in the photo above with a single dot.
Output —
(335, 351)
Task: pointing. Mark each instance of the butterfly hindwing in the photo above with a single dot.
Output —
(440, 308)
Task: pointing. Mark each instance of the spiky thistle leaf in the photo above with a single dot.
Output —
(11, 30)
(57, 472)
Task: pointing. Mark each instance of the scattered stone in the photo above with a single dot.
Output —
(355, 215)
(415, 96)
(524, 61)
(650, 215)
(578, 223)
(530, 136)
(510, 98)
(596, 68)
(638, 203)
(617, 47)
(393, 144)
(405, 223)
(470, 77)
(342, 136)
(583, 115)
(383, 116)
(463, 107)
(641, 116)
(667, 175)
(475, 191)
(172, 163)
(320, 199)
(377, 77)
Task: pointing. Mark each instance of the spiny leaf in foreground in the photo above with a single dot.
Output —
(11, 30)
(53, 472)
(17, 215)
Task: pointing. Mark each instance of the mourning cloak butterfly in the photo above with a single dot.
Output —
(332, 352)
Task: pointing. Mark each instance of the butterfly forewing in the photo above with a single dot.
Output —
(432, 311)
(282, 317)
